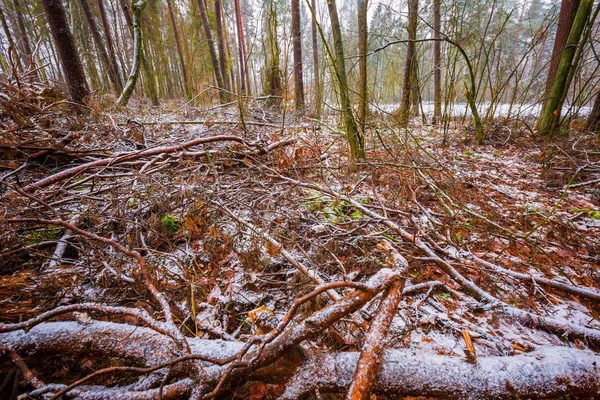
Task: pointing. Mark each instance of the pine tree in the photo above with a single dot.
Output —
(68, 55)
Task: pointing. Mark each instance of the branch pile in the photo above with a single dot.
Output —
(244, 264)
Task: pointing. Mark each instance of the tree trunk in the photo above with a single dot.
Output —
(437, 63)
(241, 49)
(148, 76)
(228, 56)
(137, 53)
(550, 116)
(26, 53)
(547, 372)
(297, 53)
(186, 83)
(315, 53)
(363, 100)
(415, 95)
(404, 113)
(113, 74)
(81, 37)
(11, 42)
(353, 134)
(109, 40)
(219, 17)
(593, 122)
(568, 8)
(212, 51)
(273, 70)
(69, 58)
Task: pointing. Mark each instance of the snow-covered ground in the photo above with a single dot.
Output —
(501, 110)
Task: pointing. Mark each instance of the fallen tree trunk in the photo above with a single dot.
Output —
(136, 155)
(546, 372)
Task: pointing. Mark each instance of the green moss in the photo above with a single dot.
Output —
(43, 235)
(171, 223)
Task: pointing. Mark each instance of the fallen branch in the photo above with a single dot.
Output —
(561, 328)
(585, 292)
(71, 172)
(465, 283)
(159, 297)
(210, 122)
(370, 356)
(546, 372)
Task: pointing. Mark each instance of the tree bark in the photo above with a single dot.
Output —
(244, 80)
(568, 9)
(223, 64)
(186, 83)
(370, 358)
(353, 134)
(548, 372)
(297, 55)
(550, 115)
(272, 53)
(27, 53)
(315, 53)
(211, 48)
(404, 113)
(363, 100)
(149, 77)
(109, 41)
(69, 57)
(137, 53)
(11, 42)
(437, 63)
(113, 74)
(593, 122)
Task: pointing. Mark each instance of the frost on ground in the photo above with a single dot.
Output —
(205, 259)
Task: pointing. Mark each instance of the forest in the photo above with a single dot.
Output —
(299, 199)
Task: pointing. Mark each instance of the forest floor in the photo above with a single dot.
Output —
(235, 222)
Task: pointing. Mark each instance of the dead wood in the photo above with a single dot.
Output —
(564, 329)
(131, 156)
(546, 372)
(370, 356)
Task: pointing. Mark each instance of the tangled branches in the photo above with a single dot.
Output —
(214, 263)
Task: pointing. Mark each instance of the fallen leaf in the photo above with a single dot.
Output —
(258, 391)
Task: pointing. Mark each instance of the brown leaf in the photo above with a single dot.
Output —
(258, 391)
(273, 250)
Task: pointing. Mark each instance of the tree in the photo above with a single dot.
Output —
(273, 84)
(26, 53)
(362, 62)
(150, 83)
(593, 122)
(297, 53)
(316, 73)
(409, 66)
(568, 9)
(9, 38)
(68, 55)
(243, 67)
(437, 64)
(550, 116)
(353, 134)
(211, 49)
(186, 83)
(109, 41)
(113, 72)
(223, 64)
(138, 7)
